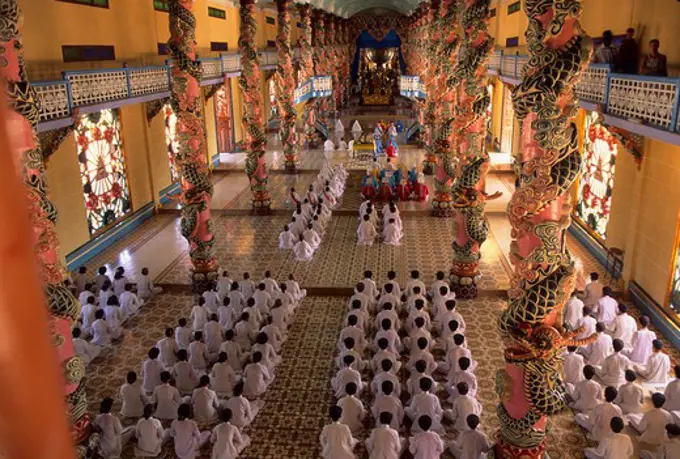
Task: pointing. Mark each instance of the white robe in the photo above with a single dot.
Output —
(129, 303)
(286, 240)
(205, 403)
(337, 442)
(614, 370)
(606, 309)
(366, 233)
(463, 406)
(657, 368)
(198, 355)
(303, 251)
(243, 412)
(312, 238)
(183, 337)
(384, 443)
(599, 350)
(630, 398)
(110, 442)
(425, 403)
(167, 399)
(86, 351)
(188, 439)
(426, 445)
(101, 333)
(228, 441)
(592, 293)
(256, 379)
(623, 328)
(652, 425)
(199, 317)
(353, 413)
(672, 394)
(586, 395)
(573, 368)
(573, 312)
(169, 349)
(642, 346)
(133, 400)
(145, 287)
(344, 377)
(185, 377)
(392, 235)
(599, 420)
(150, 435)
(471, 444)
(613, 446)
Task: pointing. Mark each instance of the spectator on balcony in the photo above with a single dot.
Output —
(628, 54)
(654, 63)
(605, 53)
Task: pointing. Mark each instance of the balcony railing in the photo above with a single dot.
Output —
(652, 101)
(412, 87)
(318, 86)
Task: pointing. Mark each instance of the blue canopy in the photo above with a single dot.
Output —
(366, 40)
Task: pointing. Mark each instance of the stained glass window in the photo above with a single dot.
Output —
(597, 182)
(102, 168)
(675, 281)
(171, 139)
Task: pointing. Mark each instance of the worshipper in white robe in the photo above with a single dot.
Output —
(312, 237)
(150, 435)
(370, 287)
(112, 435)
(439, 300)
(437, 284)
(274, 334)
(614, 367)
(606, 307)
(151, 371)
(624, 326)
(244, 332)
(353, 411)
(598, 419)
(168, 349)
(224, 285)
(101, 278)
(80, 280)
(352, 330)
(601, 348)
(417, 332)
(227, 315)
(413, 282)
(446, 315)
(114, 318)
(422, 354)
(656, 372)
(471, 443)
(345, 376)
(391, 233)
(669, 449)
(83, 297)
(336, 438)
(586, 394)
(573, 365)
(356, 130)
(132, 397)
(204, 401)
(425, 403)
(388, 332)
(184, 374)
(188, 439)
(145, 287)
(642, 343)
(183, 334)
(386, 375)
(672, 392)
(588, 324)
(328, 147)
(166, 398)
(243, 410)
(212, 298)
(631, 395)
(236, 298)
(86, 351)
(593, 291)
(387, 401)
(222, 376)
(213, 337)
(119, 281)
(652, 424)
(198, 353)
(228, 441)
(256, 377)
(384, 354)
(463, 375)
(392, 213)
(454, 353)
(366, 232)
(129, 303)
(614, 444)
(246, 286)
(463, 406)
(573, 311)
(296, 226)
(425, 444)
(384, 441)
(101, 333)
(235, 355)
(415, 312)
(303, 250)
(318, 226)
(199, 315)
(264, 347)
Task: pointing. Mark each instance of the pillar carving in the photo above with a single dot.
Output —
(253, 120)
(429, 79)
(191, 156)
(64, 309)
(285, 81)
(306, 66)
(531, 387)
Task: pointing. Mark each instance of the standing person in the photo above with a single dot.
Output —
(628, 54)
(605, 53)
(188, 439)
(654, 63)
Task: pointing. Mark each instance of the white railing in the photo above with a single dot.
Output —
(212, 68)
(231, 62)
(97, 86)
(149, 80)
(509, 65)
(52, 100)
(593, 83)
(495, 60)
(268, 58)
(648, 99)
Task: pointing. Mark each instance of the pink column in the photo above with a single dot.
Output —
(306, 66)
(286, 87)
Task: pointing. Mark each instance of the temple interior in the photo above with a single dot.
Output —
(522, 155)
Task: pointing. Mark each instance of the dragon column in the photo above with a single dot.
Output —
(286, 87)
(429, 78)
(306, 66)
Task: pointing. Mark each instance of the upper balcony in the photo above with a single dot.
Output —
(87, 91)
(647, 106)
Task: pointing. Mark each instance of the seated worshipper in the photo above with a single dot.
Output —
(353, 331)
(670, 448)
(183, 334)
(454, 353)
(390, 295)
(446, 335)
(198, 353)
(425, 444)
(388, 312)
(150, 434)
(345, 376)
(600, 349)
(413, 282)
(101, 333)
(336, 438)
(672, 392)
(183, 374)
(280, 316)
(237, 300)
(100, 278)
(204, 401)
(86, 351)
(212, 298)
(227, 439)
(606, 307)
(593, 291)
(383, 353)
(286, 239)
(439, 300)
(652, 424)
(264, 347)
(656, 372)
(224, 285)
(274, 334)
(366, 232)
(311, 196)
(386, 401)
(235, 356)
(222, 376)
(246, 286)
(419, 373)
(598, 419)
(199, 315)
(318, 226)
(151, 371)
(303, 250)
(413, 298)
(425, 404)
(87, 313)
(296, 226)
(587, 393)
(243, 411)
(256, 377)
(114, 318)
(370, 285)
(471, 443)
(129, 303)
(168, 349)
(166, 398)
(312, 237)
(624, 326)
(588, 324)
(463, 406)
(422, 353)
(353, 411)
(614, 366)
(132, 398)
(347, 348)
(573, 311)
(573, 365)
(80, 280)
(446, 315)
(417, 332)
(112, 435)
(462, 375)
(342, 145)
(631, 396)
(244, 331)
(388, 332)
(263, 299)
(415, 312)
(227, 315)
(294, 197)
(614, 445)
(145, 287)
(119, 281)
(384, 441)
(386, 375)
(188, 439)
(642, 343)
(391, 233)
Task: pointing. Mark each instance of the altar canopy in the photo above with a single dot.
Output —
(366, 40)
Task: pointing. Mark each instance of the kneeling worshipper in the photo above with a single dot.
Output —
(392, 233)
(366, 232)
(615, 445)
(425, 444)
(243, 410)
(652, 424)
(150, 435)
(286, 239)
(188, 439)
(670, 448)
(471, 443)
(303, 251)
(227, 439)
(598, 419)
(336, 438)
(656, 372)
(384, 441)
(312, 237)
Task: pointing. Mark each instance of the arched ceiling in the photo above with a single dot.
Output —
(348, 8)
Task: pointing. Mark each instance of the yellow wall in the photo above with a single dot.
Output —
(133, 122)
(496, 109)
(158, 155)
(210, 128)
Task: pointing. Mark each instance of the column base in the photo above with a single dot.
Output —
(503, 450)
(262, 207)
(291, 167)
(429, 167)
(465, 292)
(463, 279)
(202, 280)
(442, 208)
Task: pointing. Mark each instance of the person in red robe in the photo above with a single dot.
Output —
(391, 152)
(368, 191)
(404, 190)
(421, 191)
(385, 193)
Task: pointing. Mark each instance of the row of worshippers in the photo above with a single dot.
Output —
(393, 183)
(308, 224)
(81, 281)
(179, 386)
(403, 325)
(392, 226)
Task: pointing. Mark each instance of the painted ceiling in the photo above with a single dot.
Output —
(348, 8)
